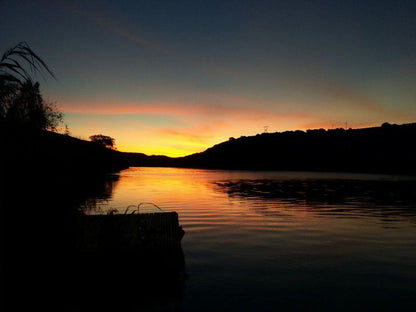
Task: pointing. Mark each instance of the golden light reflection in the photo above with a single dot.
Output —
(208, 211)
(193, 194)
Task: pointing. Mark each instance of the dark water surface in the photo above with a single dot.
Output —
(268, 241)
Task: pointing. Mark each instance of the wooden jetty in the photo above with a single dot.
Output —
(128, 232)
(131, 261)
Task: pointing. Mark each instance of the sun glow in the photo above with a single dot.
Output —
(187, 124)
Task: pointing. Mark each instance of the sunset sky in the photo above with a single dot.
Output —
(176, 77)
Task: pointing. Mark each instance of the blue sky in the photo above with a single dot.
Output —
(175, 77)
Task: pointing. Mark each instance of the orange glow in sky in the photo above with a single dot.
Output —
(178, 128)
(162, 78)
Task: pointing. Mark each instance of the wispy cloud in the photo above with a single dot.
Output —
(203, 105)
(110, 108)
(116, 28)
(200, 134)
(191, 136)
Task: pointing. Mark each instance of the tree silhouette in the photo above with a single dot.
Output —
(20, 98)
(27, 106)
(103, 140)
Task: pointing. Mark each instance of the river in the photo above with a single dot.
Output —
(264, 241)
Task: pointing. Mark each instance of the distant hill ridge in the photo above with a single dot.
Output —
(388, 149)
(385, 149)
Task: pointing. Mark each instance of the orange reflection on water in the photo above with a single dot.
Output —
(219, 202)
(203, 204)
(213, 214)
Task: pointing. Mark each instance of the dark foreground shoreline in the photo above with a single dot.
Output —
(386, 149)
(45, 176)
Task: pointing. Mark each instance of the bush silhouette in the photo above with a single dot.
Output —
(103, 140)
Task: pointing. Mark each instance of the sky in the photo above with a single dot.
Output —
(176, 77)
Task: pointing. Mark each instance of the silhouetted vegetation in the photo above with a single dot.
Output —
(103, 140)
(20, 99)
(11, 68)
(25, 106)
(24, 117)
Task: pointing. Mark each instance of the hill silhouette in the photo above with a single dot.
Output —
(385, 149)
(389, 148)
(45, 152)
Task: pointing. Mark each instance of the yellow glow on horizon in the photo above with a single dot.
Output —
(182, 145)
(164, 151)
(178, 145)
(172, 146)
(175, 130)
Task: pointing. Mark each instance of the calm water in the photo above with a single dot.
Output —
(263, 241)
